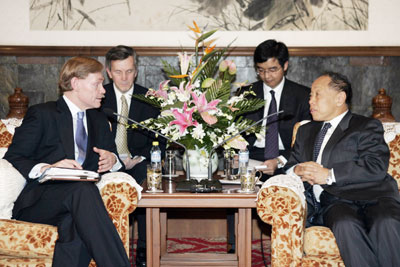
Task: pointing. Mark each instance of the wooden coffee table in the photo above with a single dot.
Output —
(156, 223)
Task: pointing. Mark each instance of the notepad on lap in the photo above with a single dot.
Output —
(67, 174)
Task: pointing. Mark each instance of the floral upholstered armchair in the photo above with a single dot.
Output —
(31, 244)
(281, 204)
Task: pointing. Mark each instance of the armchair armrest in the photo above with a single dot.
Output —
(279, 205)
(120, 194)
(23, 240)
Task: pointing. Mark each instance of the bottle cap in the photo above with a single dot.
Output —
(155, 143)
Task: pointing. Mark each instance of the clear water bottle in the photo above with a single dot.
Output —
(243, 160)
(155, 156)
(154, 170)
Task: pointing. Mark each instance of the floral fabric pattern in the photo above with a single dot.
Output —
(5, 136)
(291, 243)
(32, 244)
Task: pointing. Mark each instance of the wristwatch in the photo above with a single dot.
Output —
(329, 179)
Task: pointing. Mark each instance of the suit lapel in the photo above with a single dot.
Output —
(310, 140)
(286, 98)
(91, 136)
(335, 138)
(111, 101)
(258, 89)
(65, 128)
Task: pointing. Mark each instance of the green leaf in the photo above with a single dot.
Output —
(170, 70)
(205, 36)
(219, 90)
(152, 101)
(198, 73)
(248, 105)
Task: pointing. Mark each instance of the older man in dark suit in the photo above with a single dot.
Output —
(343, 160)
(133, 143)
(70, 133)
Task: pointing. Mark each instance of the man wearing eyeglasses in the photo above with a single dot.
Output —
(273, 149)
(271, 61)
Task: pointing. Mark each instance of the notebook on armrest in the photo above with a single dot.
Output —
(67, 174)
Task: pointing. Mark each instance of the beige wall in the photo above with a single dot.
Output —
(384, 22)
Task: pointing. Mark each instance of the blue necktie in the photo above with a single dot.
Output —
(320, 139)
(81, 137)
(271, 150)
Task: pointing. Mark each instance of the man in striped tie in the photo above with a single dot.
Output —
(70, 132)
(343, 160)
(271, 62)
(132, 144)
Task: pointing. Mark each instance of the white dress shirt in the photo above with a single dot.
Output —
(260, 143)
(128, 97)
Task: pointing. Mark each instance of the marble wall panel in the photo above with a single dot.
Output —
(38, 76)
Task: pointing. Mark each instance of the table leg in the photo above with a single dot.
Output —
(153, 236)
(244, 237)
(164, 227)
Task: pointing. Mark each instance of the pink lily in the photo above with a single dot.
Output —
(183, 92)
(184, 60)
(184, 119)
(203, 107)
(161, 92)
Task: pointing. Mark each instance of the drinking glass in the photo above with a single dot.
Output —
(227, 163)
(169, 164)
(248, 179)
(153, 179)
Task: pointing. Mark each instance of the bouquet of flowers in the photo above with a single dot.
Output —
(196, 105)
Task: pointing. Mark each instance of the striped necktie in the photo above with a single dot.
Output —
(121, 138)
(81, 137)
(320, 139)
(271, 150)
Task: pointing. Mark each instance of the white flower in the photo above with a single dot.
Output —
(231, 129)
(183, 97)
(198, 132)
(235, 99)
(171, 98)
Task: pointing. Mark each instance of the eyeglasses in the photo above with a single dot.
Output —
(273, 70)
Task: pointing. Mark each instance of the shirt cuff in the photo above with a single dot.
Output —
(290, 171)
(117, 165)
(36, 170)
(281, 161)
(331, 177)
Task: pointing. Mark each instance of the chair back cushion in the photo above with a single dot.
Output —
(11, 181)
(392, 138)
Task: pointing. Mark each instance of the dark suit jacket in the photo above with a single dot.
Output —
(358, 155)
(294, 103)
(46, 136)
(139, 140)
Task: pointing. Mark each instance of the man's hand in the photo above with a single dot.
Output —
(65, 163)
(271, 164)
(130, 163)
(312, 172)
(106, 159)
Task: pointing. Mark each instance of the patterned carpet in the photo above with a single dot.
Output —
(202, 245)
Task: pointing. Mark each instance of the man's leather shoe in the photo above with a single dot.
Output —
(141, 257)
